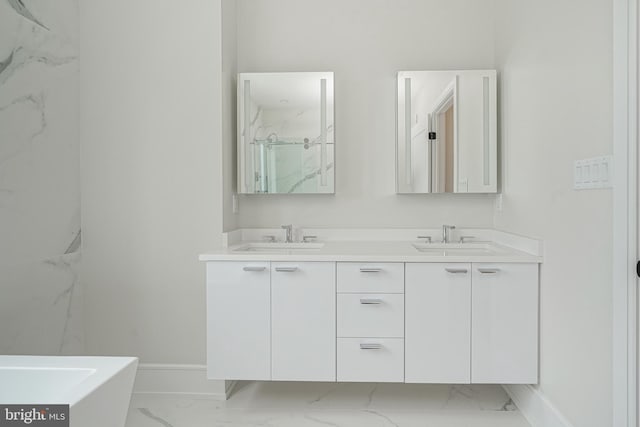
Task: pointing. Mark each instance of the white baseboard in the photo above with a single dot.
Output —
(184, 381)
(535, 406)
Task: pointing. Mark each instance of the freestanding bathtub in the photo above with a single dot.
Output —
(98, 389)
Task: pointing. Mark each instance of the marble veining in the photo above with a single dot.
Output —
(30, 111)
(5, 64)
(147, 413)
(323, 395)
(39, 179)
(72, 333)
(383, 416)
(285, 157)
(308, 177)
(21, 9)
(22, 57)
(370, 396)
(336, 405)
(75, 244)
(314, 419)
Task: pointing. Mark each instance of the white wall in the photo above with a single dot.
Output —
(365, 42)
(40, 298)
(229, 100)
(151, 97)
(151, 132)
(556, 101)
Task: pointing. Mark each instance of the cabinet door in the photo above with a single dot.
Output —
(303, 316)
(238, 321)
(438, 323)
(505, 324)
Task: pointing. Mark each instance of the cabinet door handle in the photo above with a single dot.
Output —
(250, 268)
(286, 269)
(456, 270)
(370, 346)
(489, 270)
(370, 301)
(370, 269)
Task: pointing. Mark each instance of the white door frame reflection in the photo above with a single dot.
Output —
(446, 133)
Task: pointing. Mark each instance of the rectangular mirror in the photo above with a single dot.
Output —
(446, 132)
(285, 133)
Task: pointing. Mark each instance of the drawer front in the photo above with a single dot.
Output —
(370, 360)
(371, 315)
(384, 278)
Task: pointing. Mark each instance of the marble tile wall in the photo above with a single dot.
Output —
(41, 298)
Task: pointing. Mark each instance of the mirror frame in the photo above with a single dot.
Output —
(405, 176)
(327, 91)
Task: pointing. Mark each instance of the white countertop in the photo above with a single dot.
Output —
(369, 251)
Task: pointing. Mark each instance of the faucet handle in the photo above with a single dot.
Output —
(464, 238)
(307, 239)
(446, 233)
(288, 233)
(427, 238)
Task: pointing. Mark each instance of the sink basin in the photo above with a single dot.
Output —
(279, 247)
(456, 249)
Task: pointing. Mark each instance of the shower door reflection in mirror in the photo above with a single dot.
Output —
(446, 132)
(285, 133)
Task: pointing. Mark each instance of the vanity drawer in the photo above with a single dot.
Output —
(382, 277)
(371, 315)
(370, 360)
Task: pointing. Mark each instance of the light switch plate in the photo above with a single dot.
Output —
(593, 173)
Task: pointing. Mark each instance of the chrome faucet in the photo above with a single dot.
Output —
(289, 233)
(446, 233)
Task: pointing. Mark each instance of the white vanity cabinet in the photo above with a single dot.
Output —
(303, 321)
(471, 323)
(348, 321)
(504, 344)
(438, 323)
(239, 320)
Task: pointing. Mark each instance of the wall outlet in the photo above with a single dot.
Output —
(235, 208)
(593, 173)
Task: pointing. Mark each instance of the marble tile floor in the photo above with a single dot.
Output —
(276, 404)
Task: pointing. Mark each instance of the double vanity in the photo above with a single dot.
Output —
(374, 306)
(399, 305)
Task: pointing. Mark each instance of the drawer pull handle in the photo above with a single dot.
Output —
(286, 269)
(456, 270)
(370, 346)
(370, 270)
(370, 301)
(489, 270)
(250, 268)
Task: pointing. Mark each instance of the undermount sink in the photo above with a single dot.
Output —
(456, 249)
(278, 247)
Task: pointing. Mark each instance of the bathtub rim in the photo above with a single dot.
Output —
(104, 367)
